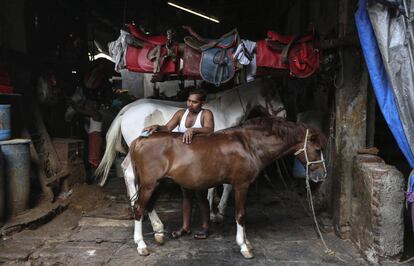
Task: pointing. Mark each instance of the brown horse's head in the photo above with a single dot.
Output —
(310, 154)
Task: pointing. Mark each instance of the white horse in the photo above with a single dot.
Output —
(229, 108)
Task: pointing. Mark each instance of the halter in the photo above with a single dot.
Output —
(308, 163)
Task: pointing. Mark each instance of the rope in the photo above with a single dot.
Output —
(153, 233)
(327, 251)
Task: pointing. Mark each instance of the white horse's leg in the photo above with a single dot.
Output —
(219, 216)
(157, 226)
(223, 201)
(241, 240)
(210, 198)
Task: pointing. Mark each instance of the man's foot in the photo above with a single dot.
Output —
(203, 234)
(179, 233)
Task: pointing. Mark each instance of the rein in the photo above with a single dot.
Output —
(309, 163)
(328, 251)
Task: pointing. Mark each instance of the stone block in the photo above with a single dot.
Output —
(377, 224)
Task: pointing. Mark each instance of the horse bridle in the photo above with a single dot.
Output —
(309, 163)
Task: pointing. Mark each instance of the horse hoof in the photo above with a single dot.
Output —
(249, 245)
(143, 251)
(248, 254)
(159, 238)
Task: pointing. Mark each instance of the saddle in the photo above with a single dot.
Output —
(151, 54)
(293, 55)
(210, 59)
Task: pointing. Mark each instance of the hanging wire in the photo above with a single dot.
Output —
(125, 10)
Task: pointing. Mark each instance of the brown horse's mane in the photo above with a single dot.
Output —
(288, 130)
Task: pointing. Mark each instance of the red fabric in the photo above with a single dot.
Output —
(266, 57)
(191, 65)
(156, 40)
(95, 148)
(137, 60)
(302, 58)
(4, 77)
(5, 83)
(285, 39)
(6, 89)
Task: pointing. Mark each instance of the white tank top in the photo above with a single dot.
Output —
(181, 127)
(94, 126)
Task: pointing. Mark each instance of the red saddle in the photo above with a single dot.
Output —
(294, 56)
(152, 54)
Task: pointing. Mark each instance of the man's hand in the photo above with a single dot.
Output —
(188, 136)
(151, 129)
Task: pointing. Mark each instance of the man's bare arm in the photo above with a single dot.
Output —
(208, 123)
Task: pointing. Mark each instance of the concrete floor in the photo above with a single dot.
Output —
(92, 232)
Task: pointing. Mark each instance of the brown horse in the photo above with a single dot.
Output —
(234, 156)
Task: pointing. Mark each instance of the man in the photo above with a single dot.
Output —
(191, 121)
(95, 137)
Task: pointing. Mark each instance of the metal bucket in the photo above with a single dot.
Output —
(16, 153)
(5, 131)
(2, 191)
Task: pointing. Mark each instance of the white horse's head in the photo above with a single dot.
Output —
(77, 98)
(47, 89)
(272, 100)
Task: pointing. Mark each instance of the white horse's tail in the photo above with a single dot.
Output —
(113, 144)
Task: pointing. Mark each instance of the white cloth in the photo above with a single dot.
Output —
(240, 55)
(117, 51)
(242, 48)
(181, 127)
(94, 126)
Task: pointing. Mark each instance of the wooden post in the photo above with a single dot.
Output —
(371, 117)
(350, 116)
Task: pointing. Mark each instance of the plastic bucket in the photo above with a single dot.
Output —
(2, 191)
(16, 154)
(5, 131)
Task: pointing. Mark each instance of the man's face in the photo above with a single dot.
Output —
(194, 103)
